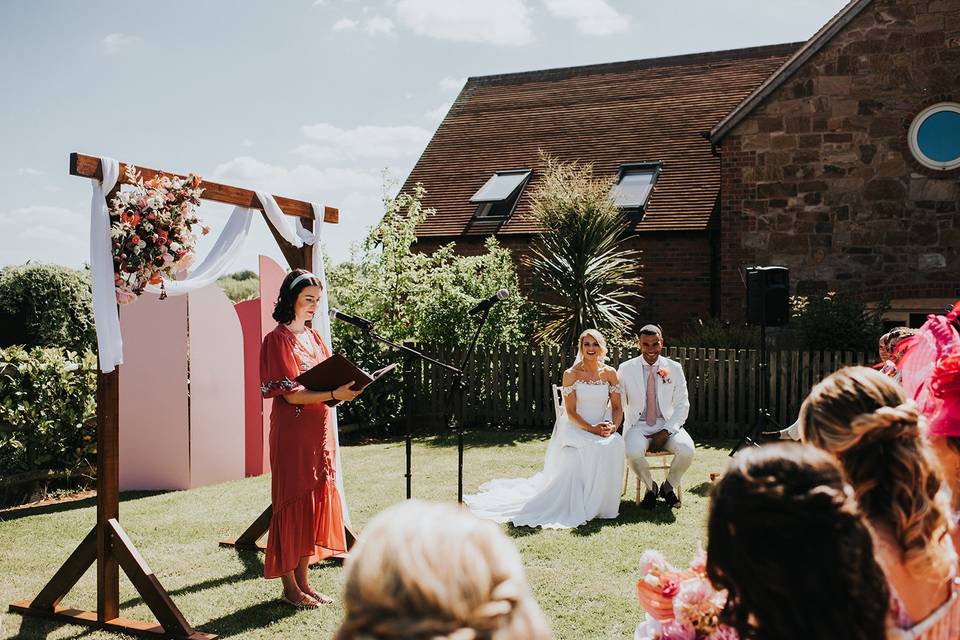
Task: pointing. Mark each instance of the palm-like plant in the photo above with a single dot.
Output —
(580, 258)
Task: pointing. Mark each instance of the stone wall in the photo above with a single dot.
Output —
(820, 178)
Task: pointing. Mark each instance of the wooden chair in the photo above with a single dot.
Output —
(664, 458)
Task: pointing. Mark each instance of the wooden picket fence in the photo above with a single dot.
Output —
(512, 387)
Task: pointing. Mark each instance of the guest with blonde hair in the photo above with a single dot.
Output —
(863, 418)
(434, 571)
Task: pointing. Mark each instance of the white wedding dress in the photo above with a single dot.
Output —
(581, 479)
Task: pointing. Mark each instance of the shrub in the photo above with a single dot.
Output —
(720, 334)
(240, 286)
(47, 410)
(418, 297)
(46, 305)
(837, 322)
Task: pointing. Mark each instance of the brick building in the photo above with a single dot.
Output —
(823, 166)
(796, 154)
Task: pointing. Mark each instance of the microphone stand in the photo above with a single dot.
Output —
(455, 395)
(408, 437)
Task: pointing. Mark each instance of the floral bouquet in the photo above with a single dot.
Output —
(152, 231)
(681, 605)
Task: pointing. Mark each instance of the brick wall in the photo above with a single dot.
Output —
(820, 178)
(676, 269)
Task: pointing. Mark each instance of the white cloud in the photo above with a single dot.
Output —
(592, 17)
(436, 115)
(452, 84)
(502, 22)
(357, 193)
(333, 144)
(43, 233)
(30, 171)
(378, 24)
(116, 42)
(344, 24)
(247, 142)
(319, 3)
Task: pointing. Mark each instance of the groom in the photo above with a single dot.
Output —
(655, 394)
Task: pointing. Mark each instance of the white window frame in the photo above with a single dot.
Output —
(914, 131)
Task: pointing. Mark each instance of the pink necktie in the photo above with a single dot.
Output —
(651, 398)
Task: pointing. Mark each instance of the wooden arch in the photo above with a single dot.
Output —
(107, 544)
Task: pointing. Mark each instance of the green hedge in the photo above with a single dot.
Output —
(46, 305)
(47, 411)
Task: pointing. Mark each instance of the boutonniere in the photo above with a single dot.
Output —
(664, 375)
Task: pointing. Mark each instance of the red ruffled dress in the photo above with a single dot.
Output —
(307, 512)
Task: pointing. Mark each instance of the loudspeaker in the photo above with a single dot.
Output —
(768, 296)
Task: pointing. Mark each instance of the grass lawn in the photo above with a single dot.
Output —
(584, 578)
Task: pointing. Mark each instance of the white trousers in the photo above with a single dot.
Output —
(679, 444)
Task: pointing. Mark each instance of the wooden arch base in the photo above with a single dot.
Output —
(252, 538)
(107, 544)
(47, 604)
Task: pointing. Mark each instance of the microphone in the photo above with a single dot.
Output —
(357, 321)
(489, 302)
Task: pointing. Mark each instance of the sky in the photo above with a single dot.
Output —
(330, 101)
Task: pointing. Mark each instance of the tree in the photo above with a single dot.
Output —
(420, 297)
(580, 258)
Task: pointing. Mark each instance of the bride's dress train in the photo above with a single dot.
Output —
(581, 479)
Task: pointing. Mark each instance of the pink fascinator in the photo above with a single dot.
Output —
(931, 372)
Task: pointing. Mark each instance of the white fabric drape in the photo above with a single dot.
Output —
(278, 219)
(218, 261)
(105, 314)
(321, 322)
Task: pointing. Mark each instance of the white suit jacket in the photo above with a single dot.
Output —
(672, 396)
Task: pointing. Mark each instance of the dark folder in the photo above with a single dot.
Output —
(337, 371)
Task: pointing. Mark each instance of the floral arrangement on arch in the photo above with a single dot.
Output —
(680, 604)
(152, 231)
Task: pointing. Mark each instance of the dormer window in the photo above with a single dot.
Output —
(634, 186)
(499, 195)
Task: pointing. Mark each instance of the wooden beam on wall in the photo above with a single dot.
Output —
(89, 167)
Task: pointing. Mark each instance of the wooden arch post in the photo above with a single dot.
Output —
(107, 544)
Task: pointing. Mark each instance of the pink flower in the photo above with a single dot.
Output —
(184, 262)
(724, 632)
(670, 587)
(674, 630)
(125, 295)
(693, 592)
(652, 559)
(664, 375)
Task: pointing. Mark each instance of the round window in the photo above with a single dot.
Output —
(935, 136)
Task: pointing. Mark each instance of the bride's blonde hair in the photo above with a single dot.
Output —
(596, 335)
(431, 571)
(864, 419)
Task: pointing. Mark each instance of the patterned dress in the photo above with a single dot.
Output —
(307, 511)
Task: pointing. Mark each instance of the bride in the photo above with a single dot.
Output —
(583, 469)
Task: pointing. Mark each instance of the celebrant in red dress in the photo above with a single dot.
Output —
(307, 523)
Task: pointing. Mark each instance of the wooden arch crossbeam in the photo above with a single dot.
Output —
(107, 543)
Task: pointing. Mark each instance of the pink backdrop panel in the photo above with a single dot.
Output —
(154, 420)
(271, 277)
(248, 312)
(217, 427)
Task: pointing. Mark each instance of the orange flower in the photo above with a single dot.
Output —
(156, 278)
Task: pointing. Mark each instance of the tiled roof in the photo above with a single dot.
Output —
(607, 114)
